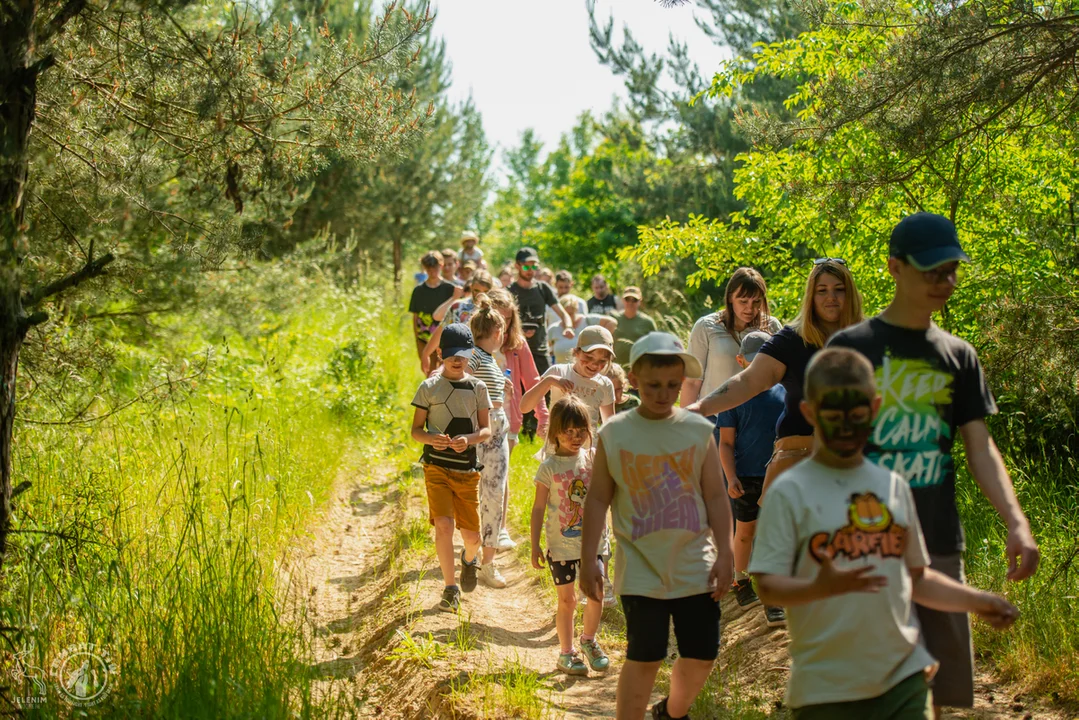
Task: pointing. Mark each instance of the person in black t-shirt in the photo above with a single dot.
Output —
(603, 301)
(831, 302)
(426, 298)
(533, 298)
(932, 384)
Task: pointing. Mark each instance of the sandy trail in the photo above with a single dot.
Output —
(365, 594)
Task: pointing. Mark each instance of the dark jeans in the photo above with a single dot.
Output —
(529, 423)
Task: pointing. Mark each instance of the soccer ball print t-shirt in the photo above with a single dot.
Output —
(931, 384)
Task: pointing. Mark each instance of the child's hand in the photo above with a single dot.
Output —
(734, 487)
(721, 575)
(997, 611)
(440, 441)
(459, 444)
(458, 291)
(563, 384)
(592, 579)
(833, 582)
(537, 557)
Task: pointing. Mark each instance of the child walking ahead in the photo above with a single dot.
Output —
(488, 328)
(452, 417)
(660, 467)
(583, 377)
(561, 488)
(840, 546)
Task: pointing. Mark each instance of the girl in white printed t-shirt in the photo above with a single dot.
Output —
(584, 378)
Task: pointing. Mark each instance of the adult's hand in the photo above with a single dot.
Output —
(734, 487)
(568, 333)
(1023, 553)
(694, 407)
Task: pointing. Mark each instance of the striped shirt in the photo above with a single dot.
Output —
(484, 367)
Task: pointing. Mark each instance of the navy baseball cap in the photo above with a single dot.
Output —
(527, 254)
(926, 240)
(456, 341)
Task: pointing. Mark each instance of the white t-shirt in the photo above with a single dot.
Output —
(717, 349)
(563, 346)
(859, 645)
(475, 255)
(567, 478)
(553, 316)
(665, 547)
(593, 392)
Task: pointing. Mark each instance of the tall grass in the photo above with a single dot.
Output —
(1042, 650)
(156, 534)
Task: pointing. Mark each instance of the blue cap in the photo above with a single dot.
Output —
(926, 240)
(456, 341)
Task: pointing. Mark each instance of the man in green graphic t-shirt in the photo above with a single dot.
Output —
(632, 325)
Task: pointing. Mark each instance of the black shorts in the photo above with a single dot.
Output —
(564, 572)
(745, 508)
(648, 620)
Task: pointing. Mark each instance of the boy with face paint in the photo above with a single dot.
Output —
(839, 545)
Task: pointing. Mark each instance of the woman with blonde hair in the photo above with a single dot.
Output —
(831, 302)
(516, 358)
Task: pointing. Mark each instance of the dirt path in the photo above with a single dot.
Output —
(369, 584)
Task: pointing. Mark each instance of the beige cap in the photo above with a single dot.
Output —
(469, 235)
(595, 337)
(661, 343)
(632, 291)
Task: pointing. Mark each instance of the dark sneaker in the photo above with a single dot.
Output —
(659, 711)
(774, 616)
(451, 600)
(745, 594)
(469, 572)
(571, 664)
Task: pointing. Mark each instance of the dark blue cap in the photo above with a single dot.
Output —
(456, 341)
(527, 255)
(926, 240)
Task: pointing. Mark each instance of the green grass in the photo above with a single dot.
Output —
(1041, 652)
(420, 649)
(511, 691)
(157, 532)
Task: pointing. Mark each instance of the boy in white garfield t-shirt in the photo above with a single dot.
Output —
(839, 545)
(657, 467)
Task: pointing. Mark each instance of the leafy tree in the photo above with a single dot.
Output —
(132, 136)
(884, 126)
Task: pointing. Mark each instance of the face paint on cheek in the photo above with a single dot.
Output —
(845, 434)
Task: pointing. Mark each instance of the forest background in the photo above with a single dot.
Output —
(202, 207)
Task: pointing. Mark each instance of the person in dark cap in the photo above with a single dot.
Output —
(533, 298)
(932, 384)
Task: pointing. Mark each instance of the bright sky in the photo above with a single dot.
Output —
(528, 63)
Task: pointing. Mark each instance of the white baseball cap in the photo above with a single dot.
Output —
(661, 343)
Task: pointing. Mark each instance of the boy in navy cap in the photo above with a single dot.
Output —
(932, 384)
(452, 417)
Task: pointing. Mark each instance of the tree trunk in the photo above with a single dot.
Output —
(18, 96)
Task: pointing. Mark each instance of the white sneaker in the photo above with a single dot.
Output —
(609, 600)
(505, 542)
(490, 576)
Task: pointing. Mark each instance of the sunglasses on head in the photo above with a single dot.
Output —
(837, 261)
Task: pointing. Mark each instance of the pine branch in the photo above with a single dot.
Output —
(70, 9)
(91, 269)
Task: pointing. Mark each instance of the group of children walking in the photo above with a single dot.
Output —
(838, 545)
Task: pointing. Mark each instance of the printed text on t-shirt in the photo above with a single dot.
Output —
(660, 488)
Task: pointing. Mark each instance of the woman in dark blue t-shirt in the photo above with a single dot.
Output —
(831, 303)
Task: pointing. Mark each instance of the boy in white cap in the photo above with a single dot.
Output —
(657, 468)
